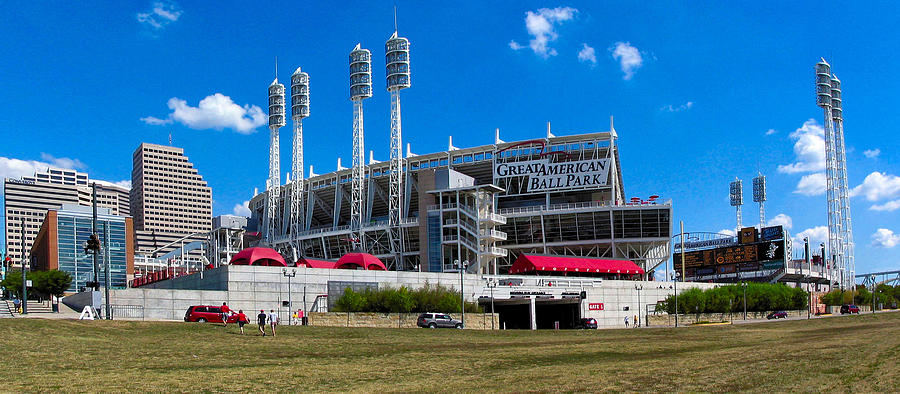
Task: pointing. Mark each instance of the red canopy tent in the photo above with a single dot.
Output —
(364, 260)
(532, 263)
(314, 263)
(258, 256)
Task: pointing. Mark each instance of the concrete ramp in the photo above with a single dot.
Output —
(86, 298)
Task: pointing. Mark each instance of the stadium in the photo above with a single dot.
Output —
(484, 205)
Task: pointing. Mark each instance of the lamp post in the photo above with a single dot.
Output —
(639, 288)
(462, 294)
(290, 300)
(491, 285)
(744, 285)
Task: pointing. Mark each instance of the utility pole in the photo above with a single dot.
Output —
(24, 281)
(492, 284)
(290, 300)
(106, 261)
(744, 285)
(462, 293)
(94, 232)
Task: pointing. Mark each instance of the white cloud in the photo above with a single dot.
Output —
(728, 231)
(872, 153)
(889, 206)
(629, 58)
(515, 45)
(162, 14)
(816, 235)
(809, 149)
(242, 209)
(885, 238)
(878, 186)
(540, 25)
(771, 131)
(63, 162)
(16, 168)
(125, 184)
(812, 184)
(781, 219)
(213, 112)
(683, 107)
(587, 54)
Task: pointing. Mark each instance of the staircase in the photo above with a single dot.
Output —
(39, 307)
(6, 310)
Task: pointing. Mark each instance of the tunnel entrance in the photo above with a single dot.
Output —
(516, 313)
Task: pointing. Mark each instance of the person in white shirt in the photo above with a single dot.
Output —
(273, 320)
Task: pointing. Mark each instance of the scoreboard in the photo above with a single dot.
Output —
(764, 249)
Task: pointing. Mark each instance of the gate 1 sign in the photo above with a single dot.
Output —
(596, 306)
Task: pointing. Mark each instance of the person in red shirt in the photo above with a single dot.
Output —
(241, 320)
(225, 312)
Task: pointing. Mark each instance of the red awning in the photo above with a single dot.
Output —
(363, 260)
(569, 264)
(315, 263)
(258, 256)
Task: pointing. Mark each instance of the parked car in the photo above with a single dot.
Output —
(588, 323)
(777, 315)
(436, 320)
(206, 313)
(849, 309)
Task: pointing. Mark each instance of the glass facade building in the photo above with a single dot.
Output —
(60, 245)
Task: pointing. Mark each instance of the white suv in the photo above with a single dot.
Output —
(435, 320)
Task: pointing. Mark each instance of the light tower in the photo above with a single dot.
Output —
(736, 196)
(299, 110)
(843, 185)
(360, 89)
(824, 100)
(397, 64)
(276, 121)
(759, 196)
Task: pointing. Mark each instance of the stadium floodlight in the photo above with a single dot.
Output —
(299, 110)
(396, 57)
(276, 121)
(360, 89)
(736, 196)
(759, 196)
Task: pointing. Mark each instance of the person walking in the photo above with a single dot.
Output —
(16, 303)
(636, 322)
(626, 321)
(273, 320)
(241, 320)
(261, 321)
(225, 312)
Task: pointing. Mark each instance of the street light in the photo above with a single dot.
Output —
(639, 288)
(492, 283)
(290, 300)
(744, 285)
(462, 294)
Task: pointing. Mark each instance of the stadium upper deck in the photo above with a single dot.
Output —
(554, 195)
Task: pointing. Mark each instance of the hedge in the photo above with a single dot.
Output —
(761, 297)
(430, 298)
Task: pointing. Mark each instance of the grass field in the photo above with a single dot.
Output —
(858, 353)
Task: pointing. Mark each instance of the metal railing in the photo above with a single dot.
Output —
(124, 311)
(578, 205)
(491, 233)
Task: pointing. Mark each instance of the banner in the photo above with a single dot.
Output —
(546, 176)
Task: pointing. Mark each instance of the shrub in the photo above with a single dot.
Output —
(429, 298)
(761, 297)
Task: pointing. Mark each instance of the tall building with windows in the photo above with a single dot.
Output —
(60, 245)
(170, 200)
(31, 197)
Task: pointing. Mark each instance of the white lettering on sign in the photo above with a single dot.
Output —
(545, 176)
(595, 306)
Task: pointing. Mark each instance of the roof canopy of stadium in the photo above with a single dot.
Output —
(258, 256)
(348, 261)
(534, 264)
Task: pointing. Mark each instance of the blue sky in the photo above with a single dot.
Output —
(701, 92)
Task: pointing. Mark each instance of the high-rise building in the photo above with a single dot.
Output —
(169, 200)
(31, 197)
(60, 245)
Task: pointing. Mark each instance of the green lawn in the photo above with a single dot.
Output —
(858, 353)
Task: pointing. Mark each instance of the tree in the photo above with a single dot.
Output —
(56, 282)
(13, 283)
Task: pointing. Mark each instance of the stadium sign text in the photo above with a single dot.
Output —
(545, 176)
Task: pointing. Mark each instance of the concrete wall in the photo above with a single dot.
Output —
(252, 288)
(664, 319)
(474, 321)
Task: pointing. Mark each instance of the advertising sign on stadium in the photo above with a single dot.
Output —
(546, 176)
